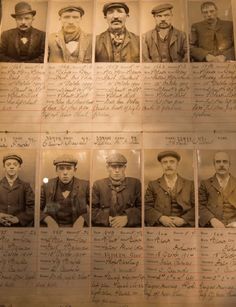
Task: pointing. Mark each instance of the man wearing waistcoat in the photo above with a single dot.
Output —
(117, 44)
(70, 44)
(23, 43)
(116, 200)
(65, 198)
(165, 43)
(169, 200)
(217, 195)
(16, 196)
(212, 40)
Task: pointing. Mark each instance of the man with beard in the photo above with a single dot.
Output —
(70, 44)
(116, 44)
(217, 195)
(116, 200)
(212, 40)
(65, 199)
(164, 43)
(24, 43)
(16, 196)
(169, 200)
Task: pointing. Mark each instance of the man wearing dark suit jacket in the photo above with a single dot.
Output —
(116, 200)
(23, 43)
(116, 44)
(169, 200)
(217, 196)
(65, 199)
(16, 195)
(212, 40)
(70, 44)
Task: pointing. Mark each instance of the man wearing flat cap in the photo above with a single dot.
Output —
(70, 44)
(23, 43)
(217, 195)
(65, 198)
(116, 200)
(212, 40)
(16, 196)
(165, 43)
(117, 44)
(169, 200)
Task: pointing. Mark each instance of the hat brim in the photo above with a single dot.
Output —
(24, 13)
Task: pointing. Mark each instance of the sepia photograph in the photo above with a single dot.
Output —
(64, 199)
(169, 188)
(116, 191)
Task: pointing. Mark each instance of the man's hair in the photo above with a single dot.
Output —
(208, 3)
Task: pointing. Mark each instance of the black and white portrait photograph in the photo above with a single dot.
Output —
(117, 32)
(23, 31)
(17, 186)
(164, 37)
(70, 32)
(116, 191)
(64, 199)
(169, 188)
(212, 33)
(217, 191)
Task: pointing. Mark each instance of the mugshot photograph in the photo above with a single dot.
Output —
(212, 34)
(169, 197)
(23, 32)
(70, 27)
(165, 39)
(64, 200)
(217, 191)
(17, 199)
(118, 43)
(116, 197)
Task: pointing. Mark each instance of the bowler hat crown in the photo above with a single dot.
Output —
(65, 159)
(12, 156)
(168, 153)
(22, 8)
(71, 8)
(161, 8)
(110, 5)
(117, 159)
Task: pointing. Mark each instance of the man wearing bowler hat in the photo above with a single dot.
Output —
(116, 200)
(16, 196)
(117, 44)
(23, 43)
(70, 44)
(65, 198)
(165, 43)
(169, 200)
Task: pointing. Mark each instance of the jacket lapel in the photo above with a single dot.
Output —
(106, 41)
(215, 184)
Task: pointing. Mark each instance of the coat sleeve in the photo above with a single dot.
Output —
(3, 49)
(204, 213)
(100, 216)
(134, 213)
(88, 52)
(85, 215)
(40, 52)
(26, 217)
(189, 216)
(152, 215)
(197, 53)
(145, 49)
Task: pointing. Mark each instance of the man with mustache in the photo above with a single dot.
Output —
(65, 199)
(169, 200)
(212, 40)
(116, 200)
(165, 43)
(16, 195)
(117, 44)
(23, 43)
(217, 195)
(70, 44)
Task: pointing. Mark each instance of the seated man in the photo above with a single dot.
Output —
(65, 198)
(169, 200)
(16, 196)
(116, 200)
